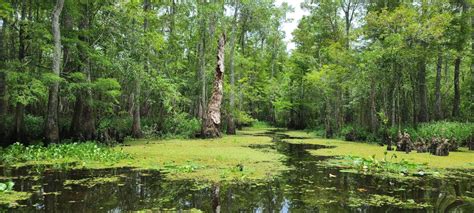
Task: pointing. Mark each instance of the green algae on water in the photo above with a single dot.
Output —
(91, 182)
(11, 198)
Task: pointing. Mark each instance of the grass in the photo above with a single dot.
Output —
(462, 159)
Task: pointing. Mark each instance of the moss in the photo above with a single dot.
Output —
(462, 159)
(91, 182)
(11, 198)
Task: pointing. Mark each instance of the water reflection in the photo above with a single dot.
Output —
(309, 187)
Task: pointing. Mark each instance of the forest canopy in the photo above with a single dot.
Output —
(106, 70)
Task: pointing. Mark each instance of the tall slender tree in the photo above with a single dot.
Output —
(52, 128)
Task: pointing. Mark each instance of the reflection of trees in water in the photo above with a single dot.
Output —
(306, 187)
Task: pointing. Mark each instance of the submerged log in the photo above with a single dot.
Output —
(213, 116)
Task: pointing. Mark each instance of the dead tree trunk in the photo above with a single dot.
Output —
(213, 116)
(52, 127)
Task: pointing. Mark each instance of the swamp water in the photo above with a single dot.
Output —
(307, 187)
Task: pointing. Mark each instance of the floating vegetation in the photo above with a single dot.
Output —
(91, 182)
(9, 197)
(385, 200)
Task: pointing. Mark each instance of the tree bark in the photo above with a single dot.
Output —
(136, 123)
(83, 122)
(231, 122)
(19, 131)
(472, 68)
(52, 127)
(3, 59)
(136, 115)
(202, 75)
(373, 110)
(437, 107)
(213, 117)
(423, 109)
(457, 94)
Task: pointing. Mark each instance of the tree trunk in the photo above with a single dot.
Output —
(472, 69)
(136, 115)
(437, 107)
(3, 59)
(423, 109)
(83, 123)
(18, 134)
(74, 130)
(213, 117)
(230, 122)
(457, 94)
(52, 127)
(19, 131)
(202, 76)
(373, 110)
(136, 123)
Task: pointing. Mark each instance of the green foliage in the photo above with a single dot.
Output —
(260, 125)
(372, 165)
(34, 125)
(121, 124)
(87, 151)
(243, 119)
(355, 133)
(461, 132)
(25, 86)
(7, 186)
(180, 125)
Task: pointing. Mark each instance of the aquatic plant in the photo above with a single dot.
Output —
(88, 151)
(372, 165)
(6, 186)
(91, 182)
(385, 200)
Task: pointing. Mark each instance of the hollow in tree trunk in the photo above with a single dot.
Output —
(213, 115)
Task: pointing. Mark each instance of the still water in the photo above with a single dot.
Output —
(308, 187)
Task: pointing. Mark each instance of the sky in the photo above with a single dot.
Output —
(296, 15)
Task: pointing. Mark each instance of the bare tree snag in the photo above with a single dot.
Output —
(213, 116)
(52, 127)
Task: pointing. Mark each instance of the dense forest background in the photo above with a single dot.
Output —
(107, 69)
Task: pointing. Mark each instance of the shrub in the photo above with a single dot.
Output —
(34, 126)
(351, 133)
(461, 132)
(180, 125)
(243, 119)
(260, 124)
(122, 125)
